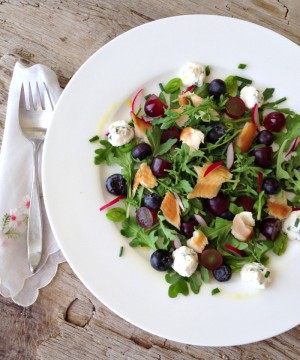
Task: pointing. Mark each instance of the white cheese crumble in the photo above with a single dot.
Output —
(120, 133)
(291, 226)
(256, 275)
(192, 74)
(251, 96)
(185, 261)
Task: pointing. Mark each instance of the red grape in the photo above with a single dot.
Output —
(245, 202)
(154, 107)
(172, 133)
(217, 205)
(235, 107)
(211, 259)
(146, 217)
(270, 227)
(274, 121)
(159, 167)
(263, 156)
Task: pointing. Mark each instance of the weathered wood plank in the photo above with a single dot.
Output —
(67, 322)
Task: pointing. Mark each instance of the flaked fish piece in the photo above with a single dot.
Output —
(277, 206)
(140, 127)
(198, 241)
(242, 226)
(170, 209)
(144, 177)
(208, 187)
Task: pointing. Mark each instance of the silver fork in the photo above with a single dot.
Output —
(34, 118)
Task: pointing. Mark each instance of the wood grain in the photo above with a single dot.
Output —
(67, 321)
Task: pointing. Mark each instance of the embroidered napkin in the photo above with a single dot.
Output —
(16, 280)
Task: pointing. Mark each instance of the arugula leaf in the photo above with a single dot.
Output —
(154, 139)
(231, 85)
(202, 90)
(280, 244)
(195, 282)
(220, 229)
(268, 93)
(204, 274)
(104, 154)
(280, 172)
(178, 284)
(131, 229)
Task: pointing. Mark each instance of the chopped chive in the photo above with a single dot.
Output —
(94, 138)
(242, 66)
(297, 222)
(267, 274)
(207, 70)
(243, 80)
(161, 87)
(121, 251)
(215, 291)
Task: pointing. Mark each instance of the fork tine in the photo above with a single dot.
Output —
(31, 104)
(48, 97)
(39, 105)
(22, 102)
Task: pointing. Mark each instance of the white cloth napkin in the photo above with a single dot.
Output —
(16, 280)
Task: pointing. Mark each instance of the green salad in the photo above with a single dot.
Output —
(209, 174)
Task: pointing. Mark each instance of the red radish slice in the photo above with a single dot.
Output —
(106, 134)
(235, 107)
(136, 103)
(190, 88)
(295, 209)
(114, 201)
(177, 243)
(259, 181)
(180, 203)
(292, 147)
(234, 250)
(230, 156)
(255, 116)
(212, 167)
(200, 220)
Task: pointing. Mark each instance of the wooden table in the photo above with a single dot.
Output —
(67, 321)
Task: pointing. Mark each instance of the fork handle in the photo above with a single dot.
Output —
(35, 224)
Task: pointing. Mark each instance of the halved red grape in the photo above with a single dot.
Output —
(154, 107)
(263, 156)
(187, 228)
(171, 133)
(211, 259)
(270, 228)
(217, 205)
(159, 167)
(146, 217)
(245, 202)
(274, 121)
(235, 107)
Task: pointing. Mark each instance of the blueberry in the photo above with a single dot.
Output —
(271, 186)
(228, 215)
(141, 151)
(116, 184)
(265, 137)
(223, 273)
(161, 260)
(152, 201)
(215, 133)
(216, 88)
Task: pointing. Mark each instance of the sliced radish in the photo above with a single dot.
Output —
(106, 134)
(293, 146)
(200, 219)
(212, 167)
(180, 203)
(189, 89)
(136, 102)
(295, 209)
(234, 250)
(230, 156)
(114, 201)
(255, 116)
(177, 242)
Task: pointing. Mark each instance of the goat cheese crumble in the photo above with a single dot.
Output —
(251, 96)
(291, 226)
(256, 275)
(185, 261)
(192, 74)
(120, 133)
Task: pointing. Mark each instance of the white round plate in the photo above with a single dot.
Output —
(74, 188)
